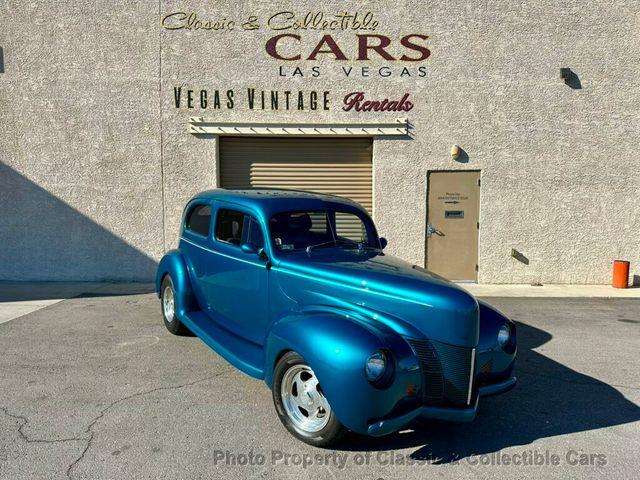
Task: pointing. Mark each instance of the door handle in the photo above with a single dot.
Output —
(431, 230)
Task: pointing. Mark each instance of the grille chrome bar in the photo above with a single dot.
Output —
(473, 364)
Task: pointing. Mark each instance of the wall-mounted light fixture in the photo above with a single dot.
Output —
(455, 152)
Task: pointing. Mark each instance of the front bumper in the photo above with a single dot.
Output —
(389, 425)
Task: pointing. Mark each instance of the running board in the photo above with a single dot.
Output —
(224, 343)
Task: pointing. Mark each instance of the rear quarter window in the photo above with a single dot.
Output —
(199, 219)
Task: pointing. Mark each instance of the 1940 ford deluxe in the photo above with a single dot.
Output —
(294, 288)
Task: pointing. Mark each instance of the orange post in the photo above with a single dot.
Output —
(620, 274)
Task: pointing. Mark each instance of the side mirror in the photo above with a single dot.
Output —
(383, 243)
(247, 248)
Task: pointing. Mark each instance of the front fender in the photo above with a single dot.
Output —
(336, 348)
(173, 264)
(493, 362)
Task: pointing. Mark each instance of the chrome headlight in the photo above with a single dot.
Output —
(503, 335)
(376, 366)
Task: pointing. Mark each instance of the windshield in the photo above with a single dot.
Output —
(307, 230)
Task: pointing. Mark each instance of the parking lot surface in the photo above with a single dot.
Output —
(95, 387)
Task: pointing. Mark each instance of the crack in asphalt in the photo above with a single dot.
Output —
(24, 421)
(89, 430)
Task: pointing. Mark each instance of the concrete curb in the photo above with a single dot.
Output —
(561, 291)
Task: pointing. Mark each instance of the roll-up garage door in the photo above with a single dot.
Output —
(338, 166)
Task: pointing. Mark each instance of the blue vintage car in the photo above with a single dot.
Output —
(294, 288)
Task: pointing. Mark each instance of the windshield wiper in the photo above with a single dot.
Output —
(358, 245)
(311, 247)
(351, 243)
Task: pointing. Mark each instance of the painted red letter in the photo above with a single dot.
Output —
(272, 43)
(424, 51)
(364, 47)
(333, 48)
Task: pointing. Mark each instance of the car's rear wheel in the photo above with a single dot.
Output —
(168, 307)
(301, 404)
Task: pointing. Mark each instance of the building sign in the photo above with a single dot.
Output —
(287, 100)
(453, 197)
(357, 101)
(251, 99)
(290, 44)
(367, 44)
(285, 20)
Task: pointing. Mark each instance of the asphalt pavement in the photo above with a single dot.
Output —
(95, 387)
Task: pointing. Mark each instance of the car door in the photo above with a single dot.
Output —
(236, 286)
(195, 243)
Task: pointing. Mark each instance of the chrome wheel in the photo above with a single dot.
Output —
(303, 400)
(168, 304)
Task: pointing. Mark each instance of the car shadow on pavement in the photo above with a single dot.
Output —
(33, 291)
(120, 290)
(550, 399)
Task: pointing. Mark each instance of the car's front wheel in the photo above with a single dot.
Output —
(168, 306)
(301, 404)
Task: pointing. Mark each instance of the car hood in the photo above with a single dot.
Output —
(409, 299)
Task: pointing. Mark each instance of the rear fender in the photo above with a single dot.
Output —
(173, 264)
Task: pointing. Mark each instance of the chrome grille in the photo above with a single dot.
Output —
(446, 372)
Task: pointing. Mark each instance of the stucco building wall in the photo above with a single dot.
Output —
(97, 161)
(79, 141)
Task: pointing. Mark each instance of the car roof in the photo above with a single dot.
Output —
(269, 201)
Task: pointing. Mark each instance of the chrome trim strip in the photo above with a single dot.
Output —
(222, 254)
(473, 364)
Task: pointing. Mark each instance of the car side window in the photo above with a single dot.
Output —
(255, 237)
(199, 219)
(229, 226)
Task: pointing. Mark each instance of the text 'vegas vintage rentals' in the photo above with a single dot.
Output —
(294, 288)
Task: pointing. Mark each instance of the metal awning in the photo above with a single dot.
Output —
(396, 128)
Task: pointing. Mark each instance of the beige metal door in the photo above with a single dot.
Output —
(338, 166)
(452, 224)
